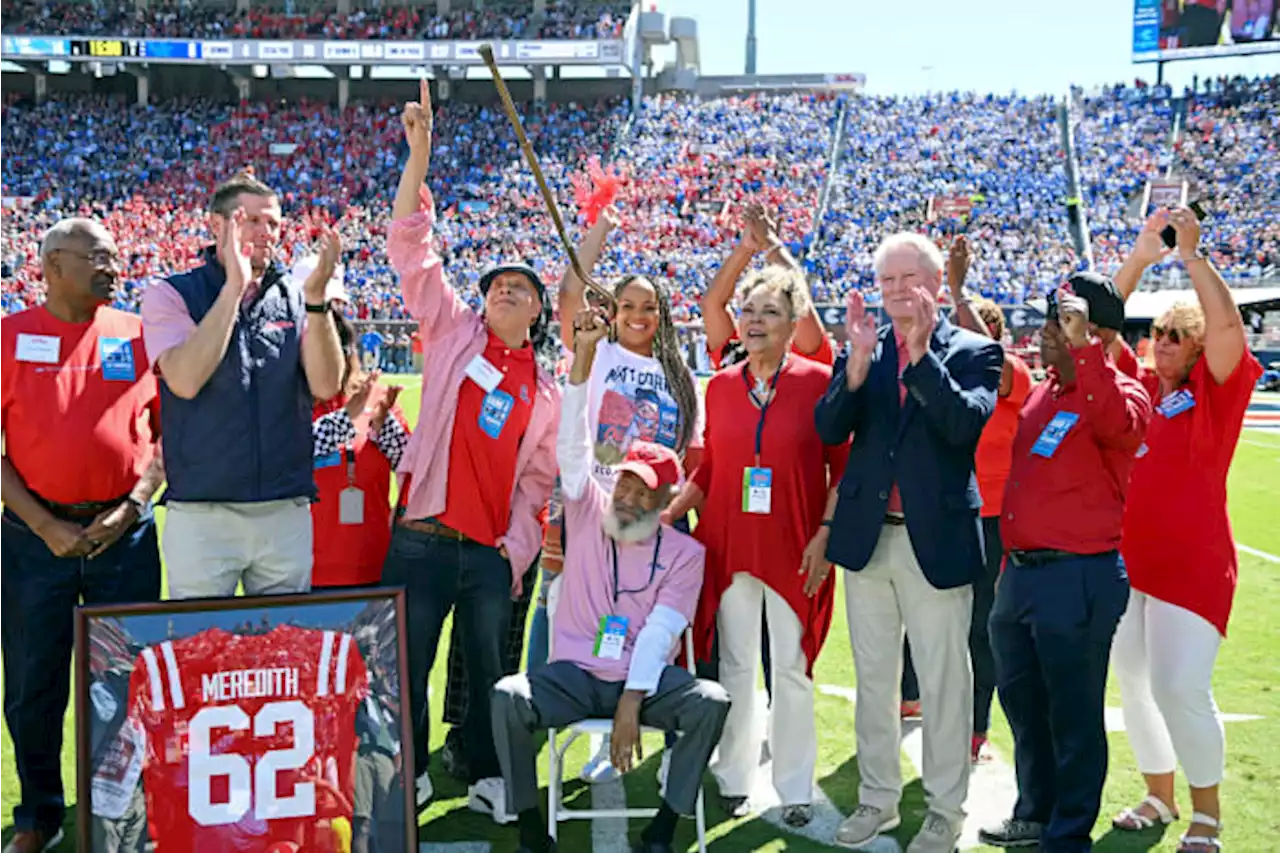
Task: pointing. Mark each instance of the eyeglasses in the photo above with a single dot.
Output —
(98, 257)
(1174, 334)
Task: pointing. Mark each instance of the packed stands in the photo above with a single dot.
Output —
(183, 19)
(1002, 152)
(686, 167)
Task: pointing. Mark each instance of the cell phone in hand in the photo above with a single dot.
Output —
(1051, 305)
(1170, 237)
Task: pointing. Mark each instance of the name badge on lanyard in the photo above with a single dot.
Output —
(1052, 435)
(1176, 403)
(351, 499)
(757, 482)
(116, 355)
(611, 639)
(494, 412)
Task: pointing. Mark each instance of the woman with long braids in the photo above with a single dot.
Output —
(640, 388)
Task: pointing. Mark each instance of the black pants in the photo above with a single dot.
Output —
(442, 575)
(1051, 630)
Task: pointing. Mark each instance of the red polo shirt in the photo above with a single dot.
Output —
(1177, 544)
(485, 442)
(995, 448)
(80, 406)
(823, 355)
(1074, 499)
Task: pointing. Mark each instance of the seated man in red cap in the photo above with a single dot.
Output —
(627, 593)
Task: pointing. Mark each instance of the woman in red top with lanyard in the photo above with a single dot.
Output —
(359, 438)
(764, 490)
(1177, 543)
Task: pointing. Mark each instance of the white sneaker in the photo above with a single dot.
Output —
(664, 769)
(599, 768)
(489, 796)
(424, 789)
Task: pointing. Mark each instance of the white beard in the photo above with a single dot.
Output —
(637, 531)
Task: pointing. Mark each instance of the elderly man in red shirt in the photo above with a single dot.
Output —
(1064, 587)
(81, 462)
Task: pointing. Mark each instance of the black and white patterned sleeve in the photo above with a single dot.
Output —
(392, 439)
(331, 432)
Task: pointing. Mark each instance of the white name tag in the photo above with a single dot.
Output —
(40, 349)
(482, 372)
(351, 506)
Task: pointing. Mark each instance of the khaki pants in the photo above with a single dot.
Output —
(211, 548)
(891, 591)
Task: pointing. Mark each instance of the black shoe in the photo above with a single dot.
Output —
(1011, 833)
(735, 806)
(454, 758)
(652, 847)
(550, 848)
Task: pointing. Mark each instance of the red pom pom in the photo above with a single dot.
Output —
(595, 190)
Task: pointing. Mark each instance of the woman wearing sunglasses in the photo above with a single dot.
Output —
(1177, 542)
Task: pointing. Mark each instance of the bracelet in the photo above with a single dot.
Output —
(1196, 257)
(138, 504)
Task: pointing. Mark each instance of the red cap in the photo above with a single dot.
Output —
(654, 464)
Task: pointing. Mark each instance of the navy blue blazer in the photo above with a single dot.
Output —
(925, 444)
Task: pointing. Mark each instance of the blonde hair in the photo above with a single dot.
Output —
(1187, 318)
(930, 256)
(784, 282)
(992, 316)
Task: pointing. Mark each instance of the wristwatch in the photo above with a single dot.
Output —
(139, 505)
(317, 309)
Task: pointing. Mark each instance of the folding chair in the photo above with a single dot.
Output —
(556, 810)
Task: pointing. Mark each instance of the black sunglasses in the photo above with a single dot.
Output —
(1175, 336)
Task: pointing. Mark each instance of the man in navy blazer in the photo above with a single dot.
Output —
(915, 395)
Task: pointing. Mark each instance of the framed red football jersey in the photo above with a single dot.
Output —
(250, 739)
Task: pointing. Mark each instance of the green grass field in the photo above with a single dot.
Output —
(1246, 682)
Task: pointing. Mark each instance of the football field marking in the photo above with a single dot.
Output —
(1254, 552)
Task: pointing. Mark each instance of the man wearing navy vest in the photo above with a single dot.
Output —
(241, 351)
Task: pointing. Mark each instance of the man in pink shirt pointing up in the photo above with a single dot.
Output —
(628, 590)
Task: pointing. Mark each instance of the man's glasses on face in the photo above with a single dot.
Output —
(99, 257)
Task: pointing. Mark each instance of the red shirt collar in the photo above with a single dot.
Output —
(524, 353)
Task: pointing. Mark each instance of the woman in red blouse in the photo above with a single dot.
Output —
(763, 489)
(1177, 543)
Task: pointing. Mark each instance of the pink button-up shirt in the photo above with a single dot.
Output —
(453, 334)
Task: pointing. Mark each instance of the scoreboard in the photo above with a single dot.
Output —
(134, 49)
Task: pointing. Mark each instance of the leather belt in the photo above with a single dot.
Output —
(894, 520)
(433, 528)
(87, 509)
(1039, 558)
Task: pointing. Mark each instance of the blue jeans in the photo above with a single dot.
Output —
(38, 597)
(441, 575)
(1051, 628)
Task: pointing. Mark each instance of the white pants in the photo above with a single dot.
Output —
(793, 740)
(210, 548)
(890, 591)
(1163, 658)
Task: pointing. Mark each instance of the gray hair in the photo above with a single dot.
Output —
(929, 256)
(66, 231)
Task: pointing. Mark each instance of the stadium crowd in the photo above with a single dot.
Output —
(684, 169)
(181, 19)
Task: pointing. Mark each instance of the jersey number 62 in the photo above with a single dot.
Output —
(203, 766)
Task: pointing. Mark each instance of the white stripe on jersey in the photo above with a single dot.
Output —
(326, 655)
(343, 649)
(153, 676)
(175, 681)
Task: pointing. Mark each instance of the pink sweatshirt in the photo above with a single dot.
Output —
(453, 334)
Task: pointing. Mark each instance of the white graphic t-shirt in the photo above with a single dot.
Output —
(629, 400)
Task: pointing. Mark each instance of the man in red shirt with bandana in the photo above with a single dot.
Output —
(1064, 588)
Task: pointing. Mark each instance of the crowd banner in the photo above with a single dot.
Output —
(266, 723)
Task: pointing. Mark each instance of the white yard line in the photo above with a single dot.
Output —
(1254, 552)
(454, 847)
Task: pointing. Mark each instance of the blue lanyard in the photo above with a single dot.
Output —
(653, 569)
(763, 405)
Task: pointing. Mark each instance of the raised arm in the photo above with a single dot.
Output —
(427, 295)
(1116, 407)
(1148, 249)
(573, 446)
(322, 357)
(1224, 334)
(957, 268)
(187, 353)
(717, 320)
(572, 289)
(810, 337)
(836, 414)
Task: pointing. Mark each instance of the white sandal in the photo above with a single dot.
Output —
(1202, 843)
(1132, 820)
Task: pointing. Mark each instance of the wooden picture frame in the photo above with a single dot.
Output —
(294, 662)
